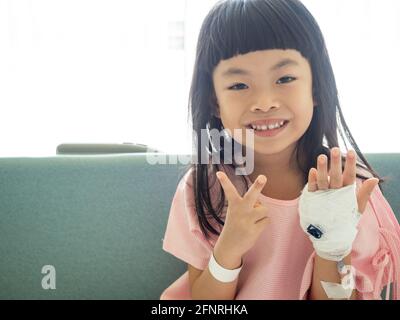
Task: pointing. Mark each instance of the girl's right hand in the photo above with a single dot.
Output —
(245, 219)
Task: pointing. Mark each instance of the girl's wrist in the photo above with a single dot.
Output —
(225, 259)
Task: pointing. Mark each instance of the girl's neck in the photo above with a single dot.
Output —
(285, 179)
(277, 164)
(285, 187)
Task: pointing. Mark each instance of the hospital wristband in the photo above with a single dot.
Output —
(222, 274)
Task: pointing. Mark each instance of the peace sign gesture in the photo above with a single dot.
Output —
(245, 219)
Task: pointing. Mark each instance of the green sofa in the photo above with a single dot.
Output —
(99, 221)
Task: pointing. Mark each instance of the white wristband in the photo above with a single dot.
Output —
(220, 273)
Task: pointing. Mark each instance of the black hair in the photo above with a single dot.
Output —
(234, 27)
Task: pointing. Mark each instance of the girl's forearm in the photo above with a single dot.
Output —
(325, 270)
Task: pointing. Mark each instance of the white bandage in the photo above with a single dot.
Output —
(336, 290)
(347, 285)
(330, 219)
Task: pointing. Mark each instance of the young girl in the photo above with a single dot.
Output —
(307, 222)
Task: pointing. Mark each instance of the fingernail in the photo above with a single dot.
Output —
(218, 175)
(261, 179)
(335, 152)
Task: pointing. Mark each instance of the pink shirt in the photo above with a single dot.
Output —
(280, 264)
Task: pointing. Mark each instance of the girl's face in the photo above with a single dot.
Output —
(262, 86)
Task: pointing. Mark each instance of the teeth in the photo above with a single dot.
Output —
(270, 127)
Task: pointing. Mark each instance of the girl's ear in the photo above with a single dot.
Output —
(315, 102)
(314, 99)
(215, 106)
(216, 112)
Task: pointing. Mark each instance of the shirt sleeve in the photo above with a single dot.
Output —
(376, 250)
(183, 237)
(375, 255)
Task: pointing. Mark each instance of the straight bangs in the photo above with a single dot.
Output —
(240, 27)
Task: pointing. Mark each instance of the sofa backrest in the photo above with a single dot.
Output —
(99, 221)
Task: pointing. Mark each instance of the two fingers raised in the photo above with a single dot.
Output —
(251, 196)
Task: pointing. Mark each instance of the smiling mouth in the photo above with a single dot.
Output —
(266, 128)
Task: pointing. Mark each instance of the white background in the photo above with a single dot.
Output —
(113, 71)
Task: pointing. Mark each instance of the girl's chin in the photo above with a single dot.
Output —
(265, 150)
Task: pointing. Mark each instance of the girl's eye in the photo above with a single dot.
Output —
(287, 78)
(236, 85)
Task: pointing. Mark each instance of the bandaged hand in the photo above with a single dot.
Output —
(329, 207)
(330, 219)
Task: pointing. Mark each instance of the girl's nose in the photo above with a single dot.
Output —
(263, 108)
(264, 101)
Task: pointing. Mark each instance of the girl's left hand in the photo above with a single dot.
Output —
(320, 179)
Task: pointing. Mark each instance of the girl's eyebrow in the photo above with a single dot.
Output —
(237, 71)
